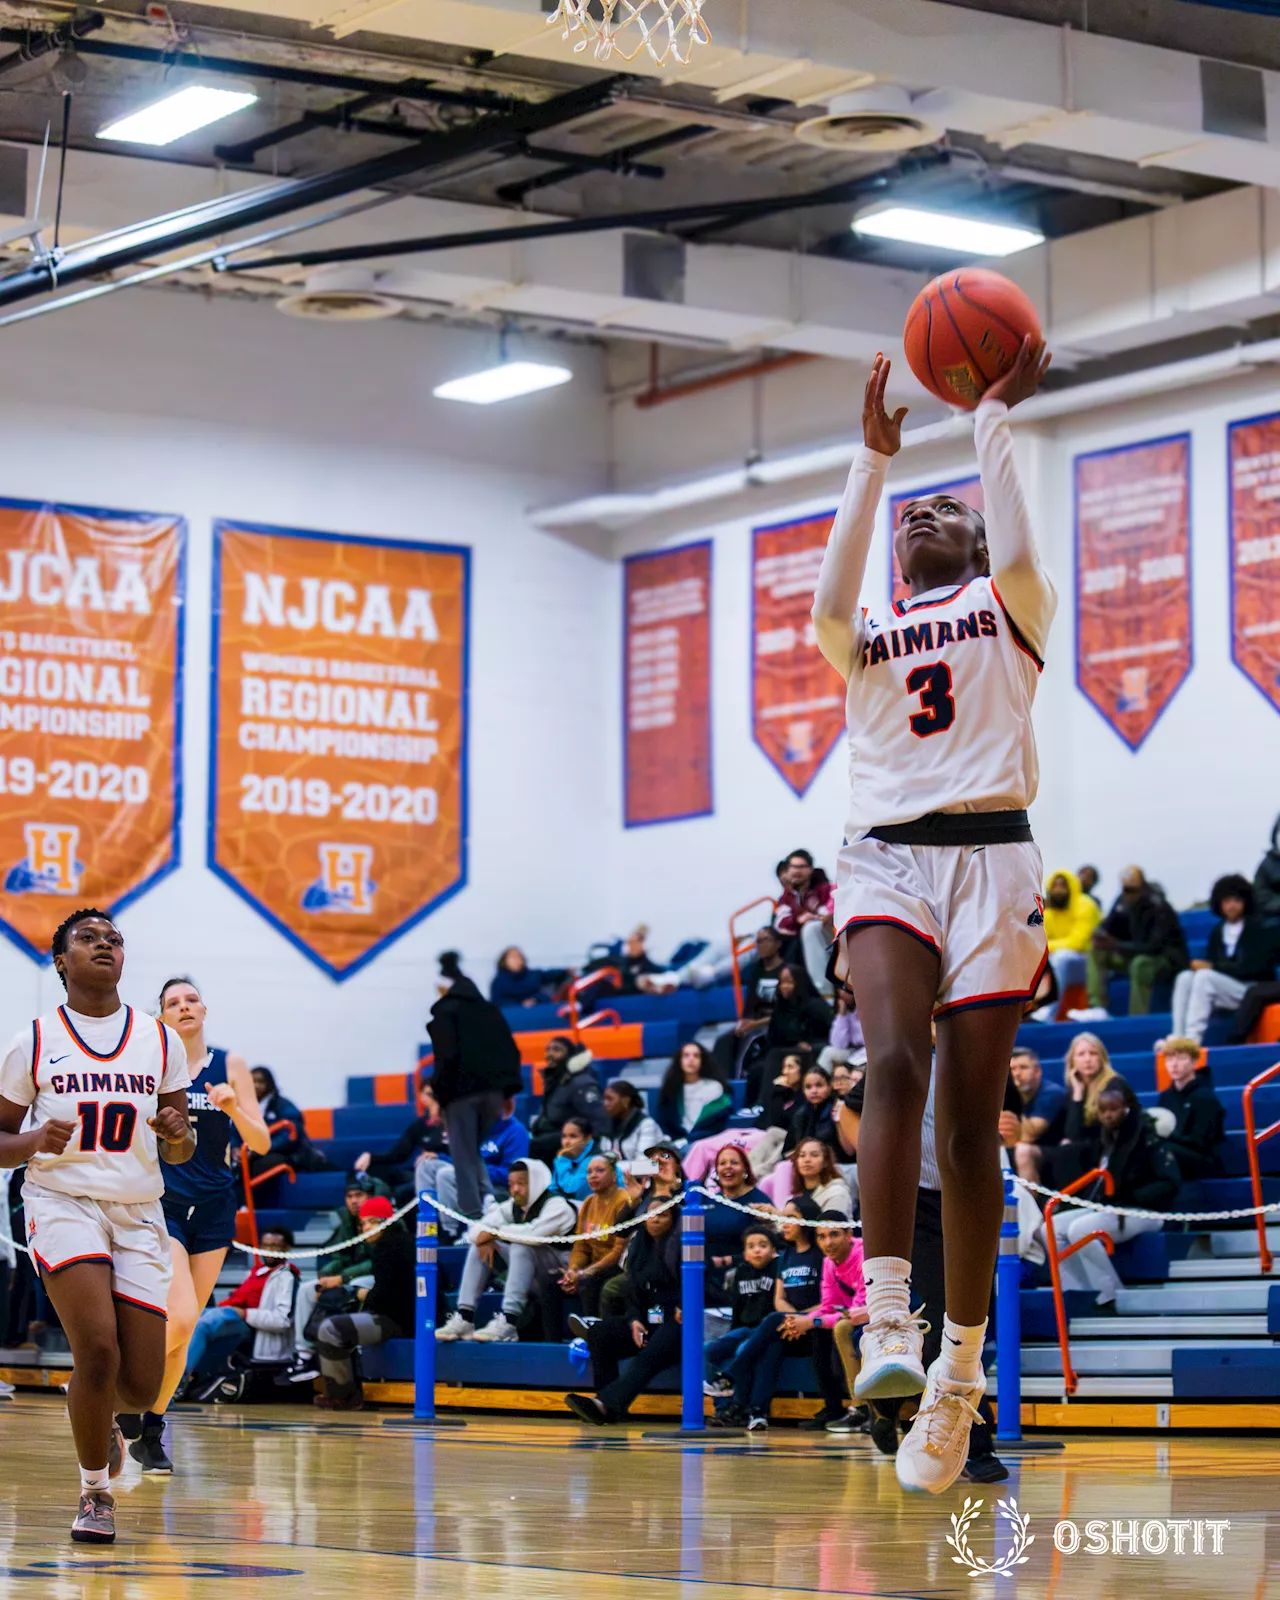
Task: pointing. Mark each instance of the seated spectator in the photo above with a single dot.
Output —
(258, 1312)
(845, 1044)
(656, 1177)
(339, 1275)
(648, 1330)
(816, 1182)
(1140, 936)
(1087, 877)
(1041, 1116)
(844, 1079)
(1242, 950)
(835, 1329)
(577, 1146)
(534, 1210)
(630, 1130)
(756, 1367)
(710, 964)
(386, 1308)
(693, 1101)
(812, 1118)
(785, 1095)
(413, 1161)
(516, 983)
(592, 1262)
(734, 1049)
(1087, 1071)
(805, 910)
(722, 1225)
(289, 1145)
(799, 1024)
(1201, 1118)
(570, 1088)
(1145, 1174)
(1266, 882)
(750, 1285)
(635, 964)
(1070, 916)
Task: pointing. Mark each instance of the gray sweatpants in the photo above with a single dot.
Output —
(338, 1340)
(308, 1293)
(468, 1121)
(528, 1268)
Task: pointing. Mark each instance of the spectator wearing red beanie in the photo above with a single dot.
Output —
(386, 1310)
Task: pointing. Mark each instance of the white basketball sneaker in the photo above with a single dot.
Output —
(497, 1331)
(891, 1365)
(933, 1454)
(456, 1327)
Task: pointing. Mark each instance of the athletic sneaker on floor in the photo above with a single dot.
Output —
(934, 1452)
(96, 1519)
(497, 1331)
(304, 1368)
(727, 1417)
(457, 1327)
(891, 1367)
(149, 1453)
(854, 1421)
(757, 1424)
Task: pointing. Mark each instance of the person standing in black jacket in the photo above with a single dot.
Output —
(1145, 1175)
(1201, 1118)
(477, 1067)
(1141, 937)
(386, 1309)
(649, 1331)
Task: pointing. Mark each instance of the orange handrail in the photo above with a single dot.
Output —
(1056, 1257)
(1252, 1139)
(580, 986)
(251, 1183)
(740, 943)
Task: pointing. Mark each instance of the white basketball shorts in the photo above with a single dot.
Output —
(978, 906)
(64, 1229)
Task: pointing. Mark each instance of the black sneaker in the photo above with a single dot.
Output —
(819, 1420)
(304, 1368)
(884, 1433)
(727, 1417)
(853, 1421)
(588, 1409)
(983, 1465)
(148, 1451)
(579, 1327)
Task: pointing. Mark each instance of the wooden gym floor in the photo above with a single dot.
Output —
(276, 1501)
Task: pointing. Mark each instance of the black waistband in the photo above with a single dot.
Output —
(959, 827)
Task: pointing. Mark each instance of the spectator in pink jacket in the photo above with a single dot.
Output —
(805, 911)
(836, 1323)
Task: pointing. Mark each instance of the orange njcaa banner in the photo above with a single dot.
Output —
(797, 699)
(666, 713)
(337, 774)
(1255, 553)
(91, 609)
(1133, 581)
(967, 490)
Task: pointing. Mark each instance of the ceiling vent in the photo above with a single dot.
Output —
(340, 305)
(870, 121)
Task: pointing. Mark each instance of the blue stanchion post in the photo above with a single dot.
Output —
(424, 1345)
(693, 1269)
(1009, 1321)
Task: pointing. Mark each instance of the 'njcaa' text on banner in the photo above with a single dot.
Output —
(91, 614)
(337, 776)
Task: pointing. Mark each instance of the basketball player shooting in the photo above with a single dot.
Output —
(105, 1089)
(938, 884)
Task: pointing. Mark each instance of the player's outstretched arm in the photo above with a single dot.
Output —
(1024, 585)
(835, 605)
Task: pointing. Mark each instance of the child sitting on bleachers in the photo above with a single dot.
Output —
(750, 1287)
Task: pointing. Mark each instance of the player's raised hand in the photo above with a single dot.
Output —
(170, 1125)
(880, 431)
(1024, 377)
(52, 1137)
(223, 1097)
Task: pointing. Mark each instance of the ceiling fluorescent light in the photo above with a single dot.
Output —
(507, 381)
(177, 115)
(944, 230)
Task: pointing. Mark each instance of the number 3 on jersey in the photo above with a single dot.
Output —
(937, 708)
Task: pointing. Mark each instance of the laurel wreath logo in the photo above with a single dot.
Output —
(958, 1539)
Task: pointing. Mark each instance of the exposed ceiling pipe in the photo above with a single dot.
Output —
(31, 46)
(625, 157)
(160, 235)
(834, 194)
(661, 394)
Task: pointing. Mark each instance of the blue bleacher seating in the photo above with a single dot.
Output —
(1240, 1372)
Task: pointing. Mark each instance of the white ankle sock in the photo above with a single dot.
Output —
(962, 1351)
(101, 1479)
(888, 1281)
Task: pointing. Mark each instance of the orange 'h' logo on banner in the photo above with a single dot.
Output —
(51, 856)
(345, 874)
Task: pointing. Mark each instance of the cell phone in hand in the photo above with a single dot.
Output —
(642, 1167)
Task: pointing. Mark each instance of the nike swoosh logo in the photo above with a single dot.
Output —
(54, 1060)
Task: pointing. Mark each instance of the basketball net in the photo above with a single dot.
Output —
(667, 29)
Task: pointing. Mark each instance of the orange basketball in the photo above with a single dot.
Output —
(963, 330)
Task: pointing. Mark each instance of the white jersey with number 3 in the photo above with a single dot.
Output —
(108, 1085)
(939, 710)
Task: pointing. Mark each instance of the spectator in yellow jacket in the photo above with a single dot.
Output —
(1070, 916)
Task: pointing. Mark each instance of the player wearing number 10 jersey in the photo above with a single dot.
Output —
(103, 1091)
(938, 904)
